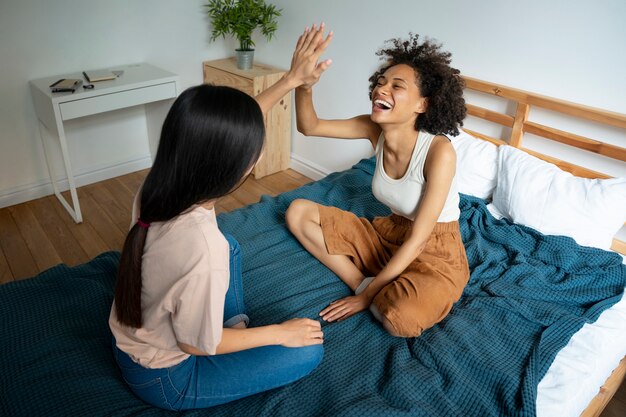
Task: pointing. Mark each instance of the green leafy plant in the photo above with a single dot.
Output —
(240, 18)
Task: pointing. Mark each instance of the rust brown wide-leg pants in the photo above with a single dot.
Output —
(424, 293)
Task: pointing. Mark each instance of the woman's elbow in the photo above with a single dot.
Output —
(305, 130)
(191, 350)
(308, 127)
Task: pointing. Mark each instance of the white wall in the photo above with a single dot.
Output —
(570, 49)
(40, 38)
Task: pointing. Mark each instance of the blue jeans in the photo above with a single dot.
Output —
(206, 381)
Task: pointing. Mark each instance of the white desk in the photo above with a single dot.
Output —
(138, 85)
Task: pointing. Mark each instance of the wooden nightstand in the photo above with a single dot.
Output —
(277, 152)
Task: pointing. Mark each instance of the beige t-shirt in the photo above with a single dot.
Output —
(185, 277)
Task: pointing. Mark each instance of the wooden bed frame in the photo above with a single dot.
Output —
(520, 124)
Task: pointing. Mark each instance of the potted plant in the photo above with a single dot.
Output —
(240, 18)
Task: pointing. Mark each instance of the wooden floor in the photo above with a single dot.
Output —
(39, 234)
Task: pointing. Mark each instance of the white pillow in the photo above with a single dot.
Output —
(538, 194)
(476, 165)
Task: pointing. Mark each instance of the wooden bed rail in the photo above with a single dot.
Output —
(607, 391)
(560, 106)
(520, 124)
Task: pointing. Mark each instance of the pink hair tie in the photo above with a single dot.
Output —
(142, 224)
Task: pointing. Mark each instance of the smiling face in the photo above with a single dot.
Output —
(396, 99)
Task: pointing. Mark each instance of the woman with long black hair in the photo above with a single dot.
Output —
(180, 334)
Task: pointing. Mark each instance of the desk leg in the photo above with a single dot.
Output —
(75, 211)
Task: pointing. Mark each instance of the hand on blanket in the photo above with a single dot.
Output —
(311, 45)
(300, 332)
(342, 309)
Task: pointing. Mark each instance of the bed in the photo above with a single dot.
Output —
(527, 337)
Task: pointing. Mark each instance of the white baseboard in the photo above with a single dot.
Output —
(308, 168)
(43, 188)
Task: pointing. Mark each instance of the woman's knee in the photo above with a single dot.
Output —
(410, 320)
(290, 364)
(401, 329)
(309, 357)
(298, 212)
(406, 317)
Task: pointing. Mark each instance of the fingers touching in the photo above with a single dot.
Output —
(313, 40)
(310, 46)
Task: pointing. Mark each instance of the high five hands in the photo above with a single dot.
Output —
(305, 69)
(304, 63)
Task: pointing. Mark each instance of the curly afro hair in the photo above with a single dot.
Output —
(441, 84)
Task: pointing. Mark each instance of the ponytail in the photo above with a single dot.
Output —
(128, 285)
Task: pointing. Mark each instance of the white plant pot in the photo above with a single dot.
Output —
(244, 59)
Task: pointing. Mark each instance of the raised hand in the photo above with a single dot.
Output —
(304, 63)
(300, 332)
(305, 69)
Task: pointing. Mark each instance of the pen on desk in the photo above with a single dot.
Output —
(55, 83)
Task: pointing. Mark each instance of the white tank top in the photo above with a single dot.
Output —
(403, 195)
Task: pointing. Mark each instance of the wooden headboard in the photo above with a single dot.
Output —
(520, 124)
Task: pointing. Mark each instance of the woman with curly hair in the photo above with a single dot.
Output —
(410, 267)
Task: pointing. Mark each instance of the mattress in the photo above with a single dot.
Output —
(527, 296)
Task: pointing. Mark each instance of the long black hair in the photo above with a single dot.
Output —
(211, 137)
(441, 84)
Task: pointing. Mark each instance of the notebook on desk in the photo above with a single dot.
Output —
(99, 75)
(65, 85)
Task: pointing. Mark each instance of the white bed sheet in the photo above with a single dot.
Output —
(584, 364)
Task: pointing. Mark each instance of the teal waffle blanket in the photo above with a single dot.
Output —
(527, 295)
